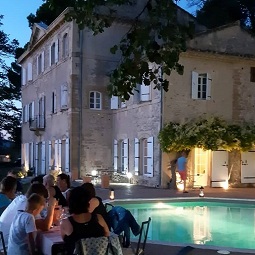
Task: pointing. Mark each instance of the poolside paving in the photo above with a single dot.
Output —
(129, 191)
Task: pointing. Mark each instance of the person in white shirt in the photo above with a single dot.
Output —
(19, 203)
(21, 239)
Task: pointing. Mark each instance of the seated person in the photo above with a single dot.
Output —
(19, 203)
(63, 182)
(14, 174)
(21, 239)
(97, 202)
(82, 224)
(37, 179)
(54, 191)
(121, 220)
(7, 192)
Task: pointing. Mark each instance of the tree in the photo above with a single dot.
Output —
(10, 113)
(214, 13)
(154, 36)
(48, 11)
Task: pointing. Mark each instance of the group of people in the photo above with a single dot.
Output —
(22, 215)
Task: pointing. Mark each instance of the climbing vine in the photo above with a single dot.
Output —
(208, 134)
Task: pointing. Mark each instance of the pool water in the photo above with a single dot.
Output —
(207, 223)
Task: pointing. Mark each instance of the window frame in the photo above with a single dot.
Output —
(93, 103)
(65, 45)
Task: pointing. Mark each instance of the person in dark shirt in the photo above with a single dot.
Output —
(82, 224)
(14, 174)
(98, 203)
(54, 191)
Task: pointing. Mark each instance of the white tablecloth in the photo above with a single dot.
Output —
(46, 239)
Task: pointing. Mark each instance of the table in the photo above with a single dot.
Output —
(50, 242)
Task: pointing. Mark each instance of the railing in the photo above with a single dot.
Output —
(37, 123)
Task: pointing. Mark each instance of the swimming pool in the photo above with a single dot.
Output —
(207, 222)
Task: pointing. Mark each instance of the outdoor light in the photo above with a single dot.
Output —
(7, 156)
(111, 194)
(201, 192)
(225, 185)
(129, 175)
(94, 172)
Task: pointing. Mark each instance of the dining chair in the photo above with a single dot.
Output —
(3, 243)
(142, 240)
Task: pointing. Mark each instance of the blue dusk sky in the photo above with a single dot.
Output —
(15, 13)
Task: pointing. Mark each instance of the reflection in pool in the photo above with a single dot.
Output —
(221, 224)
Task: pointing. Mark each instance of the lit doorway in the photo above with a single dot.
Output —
(201, 165)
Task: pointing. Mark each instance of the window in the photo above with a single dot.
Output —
(137, 156)
(65, 46)
(145, 93)
(41, 107)
(24, 114)
(114, 102)
(115, 155)
(147, 156)
(64, 96)
(31, 111)
(95, 100)
(24, 76)
(29, 72)
(54, 102)
(40, 63)
(201, 86)
(252, 79)
(52, 53)
(124, 155)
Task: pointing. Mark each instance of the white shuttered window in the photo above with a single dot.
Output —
(137, 156)
(147, 156)
(115, 155)
(64, 96)
(201, 86)
(114, 102)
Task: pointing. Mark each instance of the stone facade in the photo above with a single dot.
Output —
(92, 131)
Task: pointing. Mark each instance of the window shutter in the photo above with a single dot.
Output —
(43, 61)
(43, 161)
(23, 76)
(126, 155)
(64, 96)
(27, 113)
(33, 110)
(67, 156)
(37, 65)
(136, 96)
(56, 155)
(36, 158)
(50, 55)
(27, 156)
(150, 156)
(115, 155)
(145, 92)
(194, 88)
(29, 71)
(208, 87)
(137, 156)
(55, 102)
(31, 160)
(49, 156)
(114, 102)
(42, 117)
(56, 51)
(59, 154)
(123, 104)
